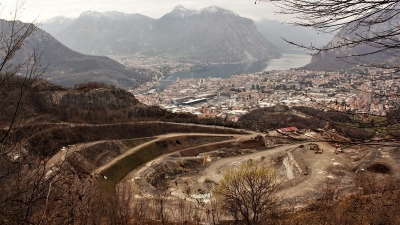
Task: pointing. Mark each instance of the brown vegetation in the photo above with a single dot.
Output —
(375, 203)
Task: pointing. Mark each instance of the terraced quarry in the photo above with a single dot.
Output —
(187, 166)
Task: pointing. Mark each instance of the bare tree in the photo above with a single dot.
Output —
(375, 24)
(248, 192)
(25, 183)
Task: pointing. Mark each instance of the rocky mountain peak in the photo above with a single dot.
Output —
(216, 9)
(59, 20)
(180, 11)
(115, 15)
(92, 14)
(212, 9)
(180, 8)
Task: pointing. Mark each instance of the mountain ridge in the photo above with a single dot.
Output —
(210, 34)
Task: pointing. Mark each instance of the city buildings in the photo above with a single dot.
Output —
(360, 90)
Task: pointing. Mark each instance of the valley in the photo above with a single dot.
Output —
(198, 116)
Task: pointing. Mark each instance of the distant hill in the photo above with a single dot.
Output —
(274, 31)
(91, 102)
(336, 59)
(67, 67)
(212, 34)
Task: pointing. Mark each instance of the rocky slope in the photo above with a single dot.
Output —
(100, 97)
(88, 102)
(211, 34)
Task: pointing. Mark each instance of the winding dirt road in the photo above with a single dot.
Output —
(159, 138)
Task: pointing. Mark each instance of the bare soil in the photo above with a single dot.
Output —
(303, 172)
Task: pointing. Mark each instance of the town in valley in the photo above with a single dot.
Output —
(363, 90)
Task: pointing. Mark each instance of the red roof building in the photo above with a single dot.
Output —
(287, 129)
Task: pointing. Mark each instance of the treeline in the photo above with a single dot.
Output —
(190, 118)
(91, 85)
(329, 116)
(279, 116)
(350, 125)
(355, 126)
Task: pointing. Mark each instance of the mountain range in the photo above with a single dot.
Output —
(212, 34)
(67, 67)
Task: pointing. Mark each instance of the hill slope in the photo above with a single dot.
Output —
(360, 54)
(67, 67)
(274, 31)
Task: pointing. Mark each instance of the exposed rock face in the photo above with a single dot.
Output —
(102, 98)
(211, 34)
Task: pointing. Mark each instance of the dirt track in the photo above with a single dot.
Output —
(60, 156)
(318, 170)
(214, 170)
(159, 138)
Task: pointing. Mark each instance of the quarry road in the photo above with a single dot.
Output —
(318, 169)
(318, 166)
(215, 170)
(162, 137)
(61, 155)
(69, 124)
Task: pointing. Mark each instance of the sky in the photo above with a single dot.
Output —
(42, 10)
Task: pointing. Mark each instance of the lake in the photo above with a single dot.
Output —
(287, 61)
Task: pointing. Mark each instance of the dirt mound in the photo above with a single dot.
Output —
(169, 168)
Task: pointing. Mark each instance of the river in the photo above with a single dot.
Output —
(288, 60)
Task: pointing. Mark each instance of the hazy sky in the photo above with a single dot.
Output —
(45, 9)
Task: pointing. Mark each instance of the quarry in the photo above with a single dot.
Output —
(169, 171)
(189, 166)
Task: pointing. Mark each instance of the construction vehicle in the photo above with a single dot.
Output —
(319, 151)
(316, 148)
